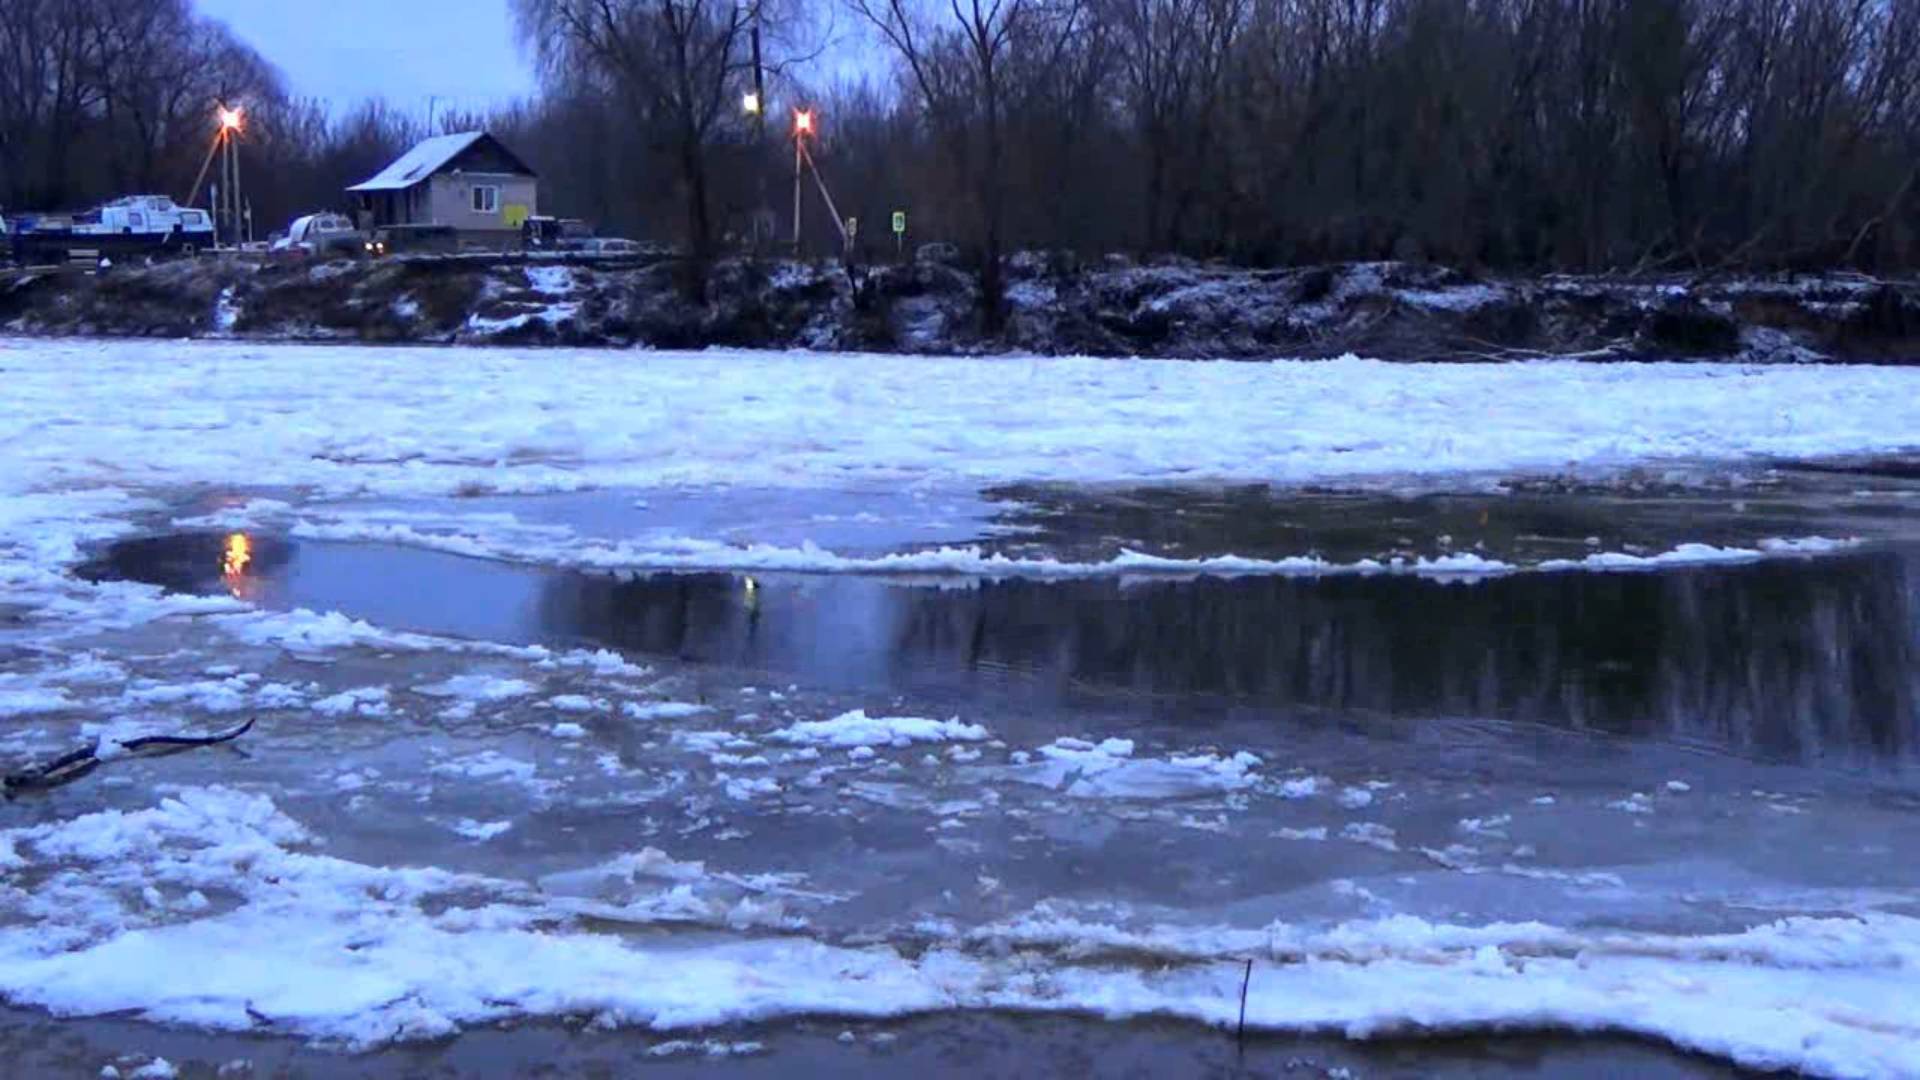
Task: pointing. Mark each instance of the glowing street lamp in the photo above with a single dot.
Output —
(230, 119)
(750, 103)
(802, 122)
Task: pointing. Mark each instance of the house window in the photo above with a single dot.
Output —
(486, 199)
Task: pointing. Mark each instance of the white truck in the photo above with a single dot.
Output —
(321, 235)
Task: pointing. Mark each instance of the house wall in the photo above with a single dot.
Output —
(450, 200)
(409, 207)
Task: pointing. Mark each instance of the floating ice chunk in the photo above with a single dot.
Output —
(661, 710)
(29, 701)
(576, 703)
(856, 728)
(362, 701)
(481, 830)
(567, 730)
(1354, 798)
(748, 788)
(1495, 826)
(1637, 803)
(1317, 832)
(221, 696)
(1301, 787)
(710, 1048)
(1807, 545)
(487, 765)
(477, 687)
(1108, 769)
(1370, 833)
(1679, 787)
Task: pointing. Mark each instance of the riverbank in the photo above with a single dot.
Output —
(1057, 305)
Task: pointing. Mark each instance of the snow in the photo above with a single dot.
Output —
(448, 417)
(857, 729)
(507, 540)
(327, 948)
(551, 280)
(1700, 554)
(417, 164)
(226, 314)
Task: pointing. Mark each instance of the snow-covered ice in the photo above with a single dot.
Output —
(117, 911)
(447, 421)
(856, 728)
(332, 949)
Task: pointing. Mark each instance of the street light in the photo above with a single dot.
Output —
(230, 119)
(750, 103)
(802, 127)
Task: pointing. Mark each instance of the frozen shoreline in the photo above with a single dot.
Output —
(360, 956)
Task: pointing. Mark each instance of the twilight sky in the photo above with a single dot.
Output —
(461, 51)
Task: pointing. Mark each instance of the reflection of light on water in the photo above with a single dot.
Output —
(234, 559)
(753, 595)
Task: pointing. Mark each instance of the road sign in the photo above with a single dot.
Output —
(900, 222)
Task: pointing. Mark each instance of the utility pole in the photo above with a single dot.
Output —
(226, 194)
(802, 126)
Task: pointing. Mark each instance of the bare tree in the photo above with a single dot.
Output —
(963, 65)
(1173, 58)
(678, 65)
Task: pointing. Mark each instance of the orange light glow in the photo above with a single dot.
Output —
(230, 119)
(239, 553)
(803, 121)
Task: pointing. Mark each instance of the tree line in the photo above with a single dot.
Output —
(1579, 135)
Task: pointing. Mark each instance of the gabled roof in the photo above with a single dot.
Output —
(428, 158)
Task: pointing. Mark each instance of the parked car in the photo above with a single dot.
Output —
(540, 233)
(612, 246)
(405, 239)
(320, 236)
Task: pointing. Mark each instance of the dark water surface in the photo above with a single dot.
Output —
(1813, 661)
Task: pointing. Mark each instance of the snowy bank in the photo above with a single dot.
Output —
(1057, 304)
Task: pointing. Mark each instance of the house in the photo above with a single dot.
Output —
(468, 181)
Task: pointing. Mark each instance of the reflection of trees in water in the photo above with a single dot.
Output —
(1787, 659)
(1791, 659)
(676, 614)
